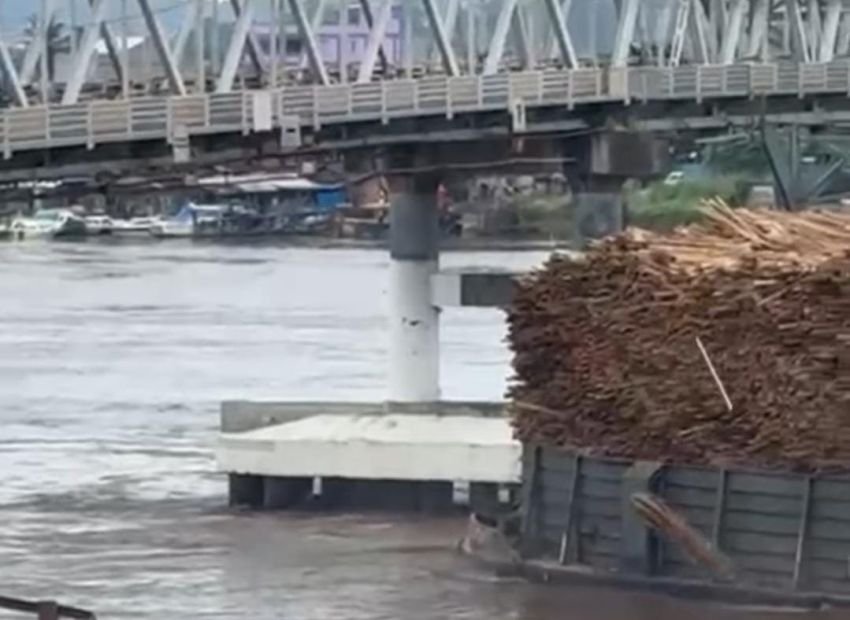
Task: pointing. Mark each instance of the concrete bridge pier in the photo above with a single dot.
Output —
(407, 453)
(414, 348)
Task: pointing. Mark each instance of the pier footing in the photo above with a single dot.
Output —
(393, 457)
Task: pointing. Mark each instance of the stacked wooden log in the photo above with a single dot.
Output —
(726, 343)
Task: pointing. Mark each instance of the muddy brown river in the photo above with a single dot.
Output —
(113, 358)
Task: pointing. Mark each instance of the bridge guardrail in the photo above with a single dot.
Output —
(151, 118)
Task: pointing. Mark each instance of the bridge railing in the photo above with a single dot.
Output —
(157, 118)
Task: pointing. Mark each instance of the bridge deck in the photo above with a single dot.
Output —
(295, 108)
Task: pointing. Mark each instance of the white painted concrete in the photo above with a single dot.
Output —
(380, 447)
(447, 289)
(414, 371)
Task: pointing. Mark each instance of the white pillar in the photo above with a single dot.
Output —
(414, 373)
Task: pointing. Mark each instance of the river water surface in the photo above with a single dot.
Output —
(113, 359)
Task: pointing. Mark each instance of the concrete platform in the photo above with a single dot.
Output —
(387, 447)
(366, 455)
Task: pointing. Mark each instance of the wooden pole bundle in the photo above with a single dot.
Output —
(726, 343)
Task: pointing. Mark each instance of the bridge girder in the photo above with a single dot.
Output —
(373, 38)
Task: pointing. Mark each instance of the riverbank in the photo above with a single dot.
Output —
(450, 244)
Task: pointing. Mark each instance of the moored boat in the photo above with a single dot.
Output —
(49, 224)
(135, 225)
(99, 225)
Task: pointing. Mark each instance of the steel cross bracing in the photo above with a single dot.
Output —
(203, 46)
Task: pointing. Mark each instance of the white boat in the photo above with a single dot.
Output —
(172, 227)
(99, 225)
(135, 225)
(48, 223)
(191, 220)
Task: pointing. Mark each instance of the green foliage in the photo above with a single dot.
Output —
(540, 215)
(741, 158)
(664, 207)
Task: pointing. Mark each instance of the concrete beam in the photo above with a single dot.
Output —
(239, 416)
(476, 288)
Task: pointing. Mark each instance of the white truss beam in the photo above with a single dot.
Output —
(274, 44)
(554, 44)
(680, 28)
(438, 29)
(450, 20)
(376, 38)
(187, 24)
(200, 49)
(471, 34)
(253, 46)
(701, 41)
(82, 60)
(37, 44)
(662, 33)
(797, 29)
(718, 18)
(625, 32)
(829, 35)
(843, 47)
(175, 80)
(814, 23)
(112, 48)
(309, 40)
(12, 75)
(500, 35)
(235, 49)
(369, 18)
(519, 28)
(316, 24)
(732, 32)
(558, 19)
(759, 27)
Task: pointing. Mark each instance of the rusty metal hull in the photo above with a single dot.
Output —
(786, 534)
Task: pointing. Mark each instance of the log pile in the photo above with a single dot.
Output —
(607, 348)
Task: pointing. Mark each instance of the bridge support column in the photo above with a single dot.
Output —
(414, 372)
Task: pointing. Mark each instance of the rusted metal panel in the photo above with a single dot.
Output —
(780, 530)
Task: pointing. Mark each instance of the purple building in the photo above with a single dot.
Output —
(342, 38)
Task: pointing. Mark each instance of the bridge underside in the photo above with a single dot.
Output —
(230, 84)
(488, 137)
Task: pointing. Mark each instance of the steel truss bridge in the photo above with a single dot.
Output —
(482, 57)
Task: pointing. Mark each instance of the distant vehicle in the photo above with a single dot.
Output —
(674, 178)
(50, 224)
